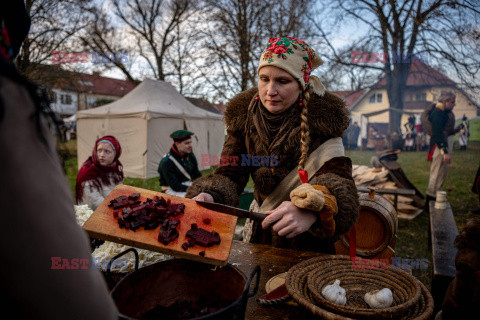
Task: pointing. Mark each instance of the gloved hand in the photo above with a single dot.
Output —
(317, 198)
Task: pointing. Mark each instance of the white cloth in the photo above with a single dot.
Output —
(329, 149)
(463, 138)
(179, 193)
(438, 170)
(93, 197)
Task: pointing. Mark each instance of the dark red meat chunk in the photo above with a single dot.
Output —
(203, 237)
(167, 235)
(132, 214)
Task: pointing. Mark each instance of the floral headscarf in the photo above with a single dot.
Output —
(297, 58)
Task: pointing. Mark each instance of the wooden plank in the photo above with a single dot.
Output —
(102, 225)
(397, 174)
(401, 192)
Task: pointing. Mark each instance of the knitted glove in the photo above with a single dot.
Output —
(305, 196)
(329, 211)
(317, 198)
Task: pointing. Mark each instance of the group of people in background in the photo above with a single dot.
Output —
(413, 137)
(102, 171)
(416, 139)
(350, 136)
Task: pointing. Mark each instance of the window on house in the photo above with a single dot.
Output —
(66, 99)
(379, 98)
(372, 98)
(421, 97)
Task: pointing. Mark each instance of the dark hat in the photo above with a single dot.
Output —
(181, 135)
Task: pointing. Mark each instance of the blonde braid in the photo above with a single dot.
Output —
(305, 131)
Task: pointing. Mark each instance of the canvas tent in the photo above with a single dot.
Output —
(142, 121)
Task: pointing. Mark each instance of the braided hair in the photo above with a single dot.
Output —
(305, 130)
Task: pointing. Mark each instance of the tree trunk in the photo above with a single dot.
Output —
(396, 90)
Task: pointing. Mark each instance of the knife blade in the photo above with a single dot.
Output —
(232, 210)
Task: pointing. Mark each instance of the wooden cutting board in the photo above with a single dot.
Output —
(102, 225)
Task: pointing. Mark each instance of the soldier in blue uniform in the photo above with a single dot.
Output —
(179, 167)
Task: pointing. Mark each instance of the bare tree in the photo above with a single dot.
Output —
(438, 28)
(153, 23)
(149, 29)
(107, 42)
(235, 33)
(54, 23)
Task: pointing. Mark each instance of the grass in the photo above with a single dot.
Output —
(412, 242)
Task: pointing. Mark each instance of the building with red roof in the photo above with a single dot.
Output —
(72, 91)
(424, 86)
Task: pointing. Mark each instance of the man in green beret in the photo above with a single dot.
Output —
(179, 166)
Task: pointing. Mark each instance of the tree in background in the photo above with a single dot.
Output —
(145, 28)
(443, 31)
(235, 33)
(54, 23)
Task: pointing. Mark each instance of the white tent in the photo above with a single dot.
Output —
(142, 121)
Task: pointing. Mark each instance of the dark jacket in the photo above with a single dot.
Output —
(439, 124)
(171, 176)
(328, 118)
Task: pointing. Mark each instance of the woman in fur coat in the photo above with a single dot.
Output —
(284, 132)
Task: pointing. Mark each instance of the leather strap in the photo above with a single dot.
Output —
(180, 167)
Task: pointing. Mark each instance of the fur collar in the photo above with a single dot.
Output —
(327, 114)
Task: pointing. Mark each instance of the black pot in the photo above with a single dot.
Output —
(164, 283)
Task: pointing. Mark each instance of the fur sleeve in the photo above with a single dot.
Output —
(91, 196)
(336, 175)
(230, 178)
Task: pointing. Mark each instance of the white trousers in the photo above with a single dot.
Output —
(438, 170)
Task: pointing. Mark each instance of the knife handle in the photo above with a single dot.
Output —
(257, 216)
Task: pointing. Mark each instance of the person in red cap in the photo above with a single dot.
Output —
(179, 166)
(100, 173)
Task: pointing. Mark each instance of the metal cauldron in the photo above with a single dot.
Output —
(164, 283)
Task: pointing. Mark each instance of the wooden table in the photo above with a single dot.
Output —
(272, 261)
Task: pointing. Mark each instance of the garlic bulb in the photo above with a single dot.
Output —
(379, 299)
(335, 293)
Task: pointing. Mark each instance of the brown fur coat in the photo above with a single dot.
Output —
(327, 118)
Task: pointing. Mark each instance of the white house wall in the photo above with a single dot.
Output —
(61, 108)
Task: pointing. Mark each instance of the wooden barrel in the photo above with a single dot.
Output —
(376, 226)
